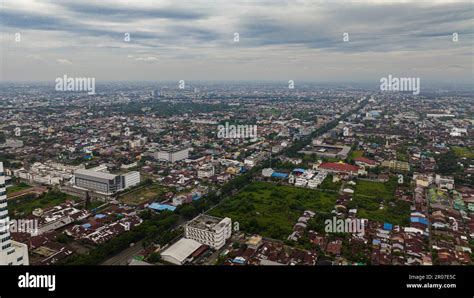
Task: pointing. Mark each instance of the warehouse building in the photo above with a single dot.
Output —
(181, 251)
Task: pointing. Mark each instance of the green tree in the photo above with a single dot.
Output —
(154, 257)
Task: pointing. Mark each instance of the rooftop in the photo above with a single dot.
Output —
(206, 222)
(336, 166)
(182, 249)
(100, 175)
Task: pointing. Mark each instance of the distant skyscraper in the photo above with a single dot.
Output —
(11, 252)
(155, 93)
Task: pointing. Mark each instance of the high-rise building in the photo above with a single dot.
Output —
(11, 252)
(155, 93)
(209, 230)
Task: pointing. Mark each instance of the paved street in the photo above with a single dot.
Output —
(124, 256)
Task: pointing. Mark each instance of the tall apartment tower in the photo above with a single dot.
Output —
(11, 252)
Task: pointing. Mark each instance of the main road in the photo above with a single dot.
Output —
(123, 257)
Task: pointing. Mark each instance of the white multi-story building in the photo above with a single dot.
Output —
(104, 182)
(301, 181)
(129, 166)
(255, 159)
(313, 183)
(209, 230)
(444, 182)
(49, 173)
(97, 181)
(171, 155)
(11, 252)
(206, 171)
(137, 143)
(458, 132)
(130, 179)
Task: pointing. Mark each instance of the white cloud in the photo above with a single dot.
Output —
(64, 61)
(287, 37)
(143, 58)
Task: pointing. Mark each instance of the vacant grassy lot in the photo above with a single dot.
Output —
(329, 185)
(24, 205)
(368, 197)
(356, 153)
(17, 187)
(142, 195)
(271, 210)
(375, 189)
(463, 152)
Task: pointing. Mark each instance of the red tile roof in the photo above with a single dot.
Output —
(365, 160)
(339, 167)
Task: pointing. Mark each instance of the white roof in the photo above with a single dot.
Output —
(182, 249)
(101, 175)
(134, 262)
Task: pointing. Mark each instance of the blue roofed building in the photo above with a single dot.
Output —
(421, 220)
(161, 207)
(387, 226)
(196, 196)
(279, 175)
(299, 170)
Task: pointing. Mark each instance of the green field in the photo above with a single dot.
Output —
(375, 189)
(17, 187)
(143, 195)
(367, 198)
(463, 152)
(271, 210)
(356, 153)
(329, 185)
(24, 205)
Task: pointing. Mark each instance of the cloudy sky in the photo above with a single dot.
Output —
(278, 40)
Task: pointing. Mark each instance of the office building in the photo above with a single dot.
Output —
(97, 181)
(209, 230)
(104, 182)
(171, 154)
(11, 252)
(444, 182)
(396, 165)
(206, 171)
(130, 179)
